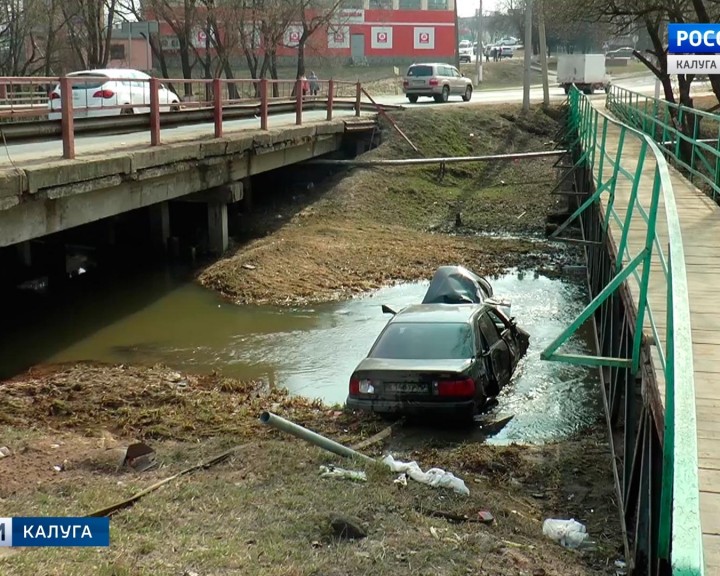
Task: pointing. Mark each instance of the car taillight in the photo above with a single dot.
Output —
(464, 387)
(354, 386)
(433, 82)
(54, 96)
(104, 94)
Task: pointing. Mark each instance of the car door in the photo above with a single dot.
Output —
(508, 335)
(496, 350)
(458, 81)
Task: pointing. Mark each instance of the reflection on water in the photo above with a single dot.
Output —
(311, 351)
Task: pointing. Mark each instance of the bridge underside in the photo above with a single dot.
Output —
(41, 199)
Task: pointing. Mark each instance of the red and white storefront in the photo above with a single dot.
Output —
(396, 30)
(381, 34)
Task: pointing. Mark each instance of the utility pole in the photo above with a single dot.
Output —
(543, 53)
(528, 55)
(478, 51)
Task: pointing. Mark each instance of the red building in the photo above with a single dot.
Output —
(374, 30)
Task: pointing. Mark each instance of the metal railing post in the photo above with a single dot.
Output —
(358, 98)
(67, 120)
(154, 112)
(217, 107)
(263, 104)
(331, 93)
(298, 101)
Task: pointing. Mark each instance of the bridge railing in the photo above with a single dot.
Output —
(647, 249)
(151, 103)
(694, 150)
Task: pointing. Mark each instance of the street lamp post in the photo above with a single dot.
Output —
(478, 50)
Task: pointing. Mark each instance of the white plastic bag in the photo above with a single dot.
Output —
(567, 533)
(435, 477)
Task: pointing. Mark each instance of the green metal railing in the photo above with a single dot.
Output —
(696, 151)
(620, 155)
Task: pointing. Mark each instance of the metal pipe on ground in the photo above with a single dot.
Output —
(450, 160)
(283, 425)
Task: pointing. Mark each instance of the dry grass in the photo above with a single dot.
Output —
(267, 512)
(365, 228)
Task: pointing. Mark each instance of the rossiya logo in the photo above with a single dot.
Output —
(693, 49)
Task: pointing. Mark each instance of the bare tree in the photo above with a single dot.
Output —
(88, 26)
(313, 15)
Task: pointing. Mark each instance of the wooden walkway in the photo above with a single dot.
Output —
(700, 222)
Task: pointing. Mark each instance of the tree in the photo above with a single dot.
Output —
(88, 24)
(313, 15)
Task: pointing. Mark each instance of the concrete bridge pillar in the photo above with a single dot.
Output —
(217, 227)
(24, 252)
(160, 225)
(247, 195)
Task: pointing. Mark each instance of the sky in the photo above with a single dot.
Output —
(468, 7)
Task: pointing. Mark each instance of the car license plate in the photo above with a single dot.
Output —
(418, 82)
(406, 388)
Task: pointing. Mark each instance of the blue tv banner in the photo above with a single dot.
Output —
(694, 38)
(48, 531)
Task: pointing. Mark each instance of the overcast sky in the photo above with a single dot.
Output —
(468, 7)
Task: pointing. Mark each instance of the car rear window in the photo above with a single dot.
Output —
(425, 341)
(420, 71)
(95, 80)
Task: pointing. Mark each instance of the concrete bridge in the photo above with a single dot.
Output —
(41, 193)
(649, 220)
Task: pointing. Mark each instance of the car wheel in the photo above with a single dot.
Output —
(438, 98)
(445, 94)
(413, 99)
(127, 111)
(174, 106)
(468, 94)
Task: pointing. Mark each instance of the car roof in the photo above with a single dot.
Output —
(457, 313)
(111, 73)
(431, 64)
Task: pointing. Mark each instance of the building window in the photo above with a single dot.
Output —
(410, 4)
(117, 51)
(437, 4)
(381, 4)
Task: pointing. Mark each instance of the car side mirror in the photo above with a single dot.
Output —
(387, 310)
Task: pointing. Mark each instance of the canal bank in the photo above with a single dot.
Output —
(265, 510)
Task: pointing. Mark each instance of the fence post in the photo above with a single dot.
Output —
(217, 107)
(298, 101)
(331, 91)
(67, 121)
(263, 104)
(358, 98)
(154, 111)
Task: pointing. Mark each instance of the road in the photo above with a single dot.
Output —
(32, 153)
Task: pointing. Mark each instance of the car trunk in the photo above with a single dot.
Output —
(410, 379)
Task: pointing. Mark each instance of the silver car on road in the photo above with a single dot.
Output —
(438, 81)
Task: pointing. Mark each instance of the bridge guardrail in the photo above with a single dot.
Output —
(696, 153)
(214, 100)
(679, 530)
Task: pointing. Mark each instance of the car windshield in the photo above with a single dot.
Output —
(95, 80)
(420, 71)
(424, 341)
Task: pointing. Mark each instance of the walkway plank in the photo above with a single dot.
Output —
(700, 222)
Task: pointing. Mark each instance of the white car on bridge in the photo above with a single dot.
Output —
(110, 92)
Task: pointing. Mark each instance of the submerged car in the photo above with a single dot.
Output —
(447, 355)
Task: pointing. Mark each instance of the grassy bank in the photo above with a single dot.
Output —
(363, 228)
(265, 510)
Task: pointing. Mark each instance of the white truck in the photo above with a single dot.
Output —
(586, 71)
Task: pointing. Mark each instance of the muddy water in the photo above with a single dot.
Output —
(311, 351)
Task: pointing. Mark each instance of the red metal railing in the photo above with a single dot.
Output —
(216, 94)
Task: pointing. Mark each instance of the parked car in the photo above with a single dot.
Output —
(438, 81)
(447, 355)
(103, 92)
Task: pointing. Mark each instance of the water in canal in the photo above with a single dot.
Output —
(162, 318)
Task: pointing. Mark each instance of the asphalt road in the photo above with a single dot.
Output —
(33, 153)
